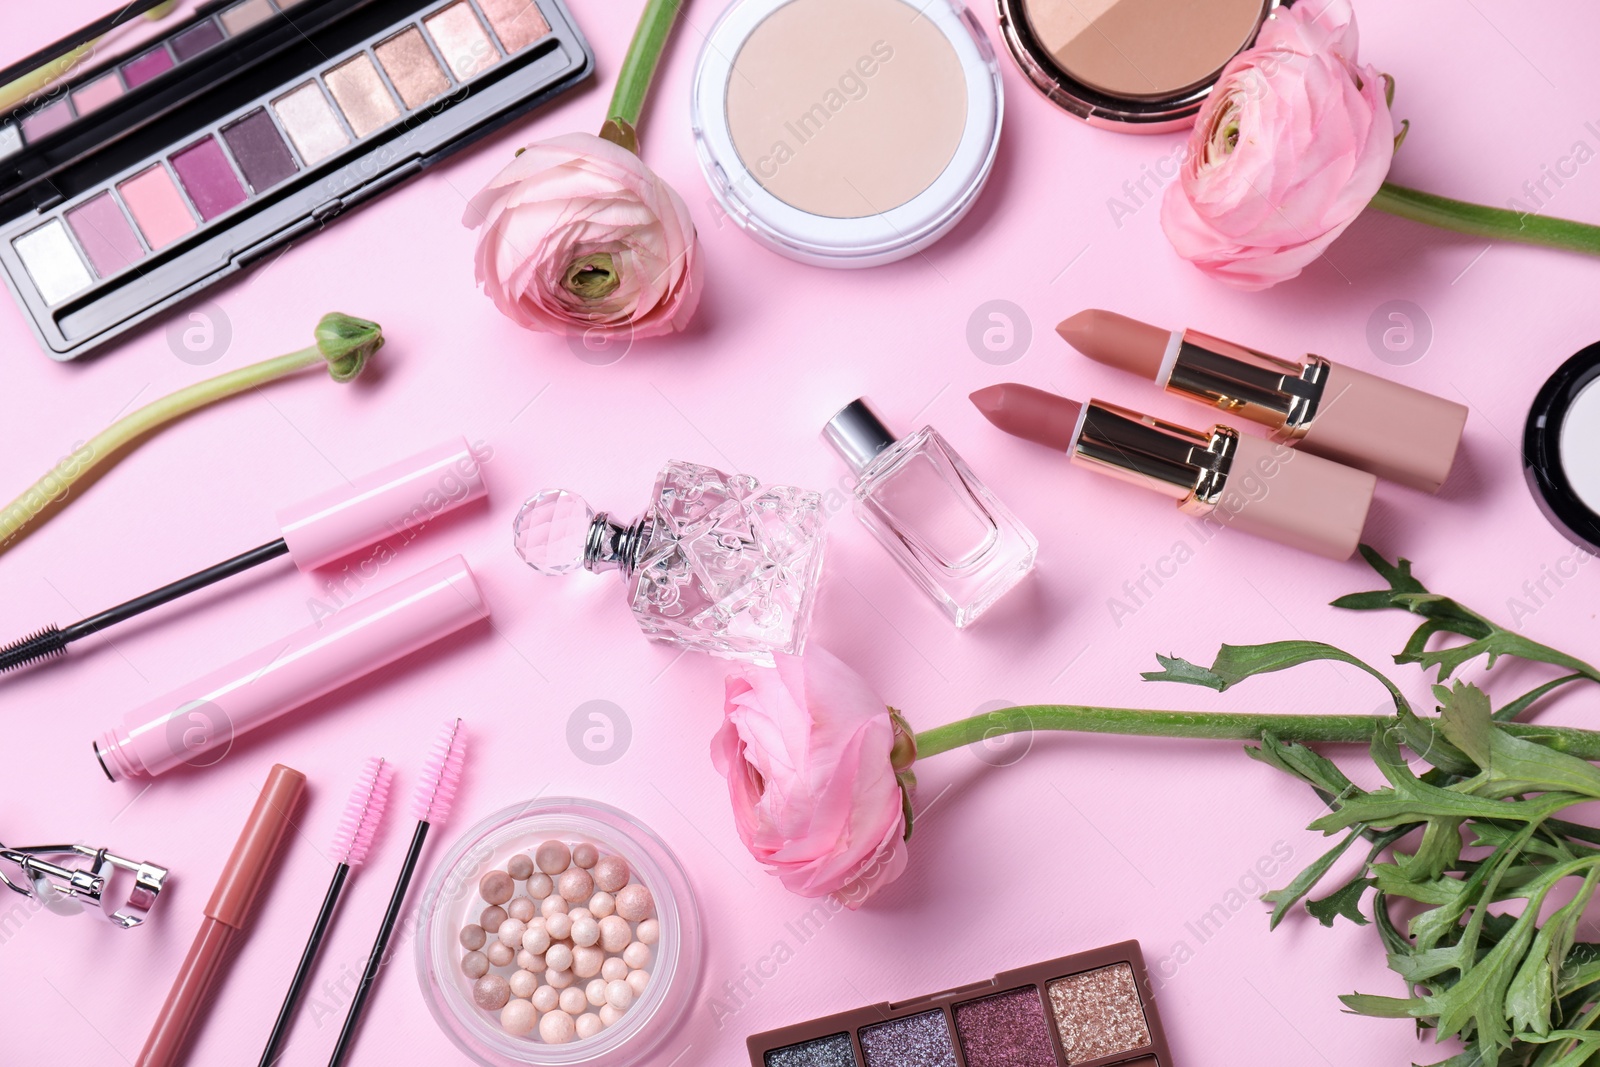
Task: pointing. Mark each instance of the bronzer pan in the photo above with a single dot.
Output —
(1139, 66)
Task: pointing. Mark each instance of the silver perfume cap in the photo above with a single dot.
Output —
(858, 433)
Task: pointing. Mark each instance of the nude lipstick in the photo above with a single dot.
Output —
(1247, 483)
(1322, 407)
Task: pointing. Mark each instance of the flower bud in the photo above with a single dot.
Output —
(346, 343)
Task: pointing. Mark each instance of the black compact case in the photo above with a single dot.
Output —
(124, 192)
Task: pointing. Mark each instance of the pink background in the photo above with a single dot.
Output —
(1082, 842)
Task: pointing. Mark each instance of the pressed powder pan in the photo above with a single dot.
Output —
(1140, 66)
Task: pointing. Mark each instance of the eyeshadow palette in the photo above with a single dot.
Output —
(266, 119)
(1094, 1009)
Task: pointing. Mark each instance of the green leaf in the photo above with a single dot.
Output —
(1176, 669)
(1382, 1007)
(1528, 699)
(1528, 998)
(1438, 852)
(1511, 765)
(1304, 882)
(1235, 663)
(1346, 901)
(1301, 762)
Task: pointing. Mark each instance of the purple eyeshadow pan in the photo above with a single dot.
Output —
(207, 178)
(259, 149)
(138, 71)
(915, 1041)
(1005, 1030)
(196, 39)
(104, 235)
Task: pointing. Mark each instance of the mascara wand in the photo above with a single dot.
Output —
(328, 527)
(351, 842)
(434, 794)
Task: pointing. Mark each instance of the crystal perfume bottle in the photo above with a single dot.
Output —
(716, 562)
(937, 519)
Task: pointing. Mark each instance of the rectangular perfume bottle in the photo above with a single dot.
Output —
(944, 527)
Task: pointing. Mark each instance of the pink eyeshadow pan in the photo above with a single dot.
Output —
(46, 120)
(138, 71)
(97, 93)
(104, 235)
(208, 178)
(157, 206)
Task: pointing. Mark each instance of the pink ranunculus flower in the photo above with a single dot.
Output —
(1294, 140)
(815, 763)
(578, 234)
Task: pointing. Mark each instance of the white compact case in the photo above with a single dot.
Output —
(846, 133)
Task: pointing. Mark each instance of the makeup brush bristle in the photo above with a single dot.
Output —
(364, 811)
(442, 774)
(45, 644)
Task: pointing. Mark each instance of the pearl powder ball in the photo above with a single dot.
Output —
(495, 887)
(619, 995)
(636, 955)
(500, 954)
(579, 913)
(595, 991)
(611, 873)
(587, 960)
(474, 965)
(559, 957)
(615, 934)
(522, 908)
(511, 931)
(589, 1024)
(634, 902)
(552, 857)
(602, 904)
(576, 885)
(609, 1015)
(559, 979)
(520, 866)
(530, 961)
(491, 992)
(613, 968)
(536, 938)
(584, 855)
(517, 1018)
(523, 983)
(545, 998)
(585, 931)
(540, 885)
(554, 904)
(472, 937)
(638, 980)
(650, 931)
(573, 1002)
(557, 1028)
(492, 917)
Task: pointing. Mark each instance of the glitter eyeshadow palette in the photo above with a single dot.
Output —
(247, 127)
(1094, 1009)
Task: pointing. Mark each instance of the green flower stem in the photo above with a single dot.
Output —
(639, 65)
(343, 345)
(1215, 726)
(1492, 222)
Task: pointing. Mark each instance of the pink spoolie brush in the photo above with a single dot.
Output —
(351, 842)
(434, 794)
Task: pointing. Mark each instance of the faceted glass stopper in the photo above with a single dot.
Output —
(551, 531)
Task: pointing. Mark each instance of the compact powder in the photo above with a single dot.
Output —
(1005, 1030)
(915, 1041)
(1099, 1013)
(1143, 49)
(834, 1051)
(846, 108)
(1580, 445)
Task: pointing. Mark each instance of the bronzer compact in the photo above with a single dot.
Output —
(846, 133)
(136, 183)
(1139, 66)
(1561, 450)
(1093, 1009)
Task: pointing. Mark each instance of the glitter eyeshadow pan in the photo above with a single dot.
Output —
(1091, 1008)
